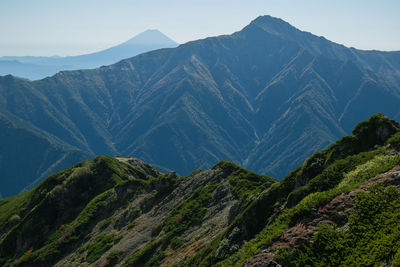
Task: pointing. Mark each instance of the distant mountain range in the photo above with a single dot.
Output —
(35, 68)
(265, 97)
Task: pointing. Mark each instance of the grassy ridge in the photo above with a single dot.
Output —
(73, 210)
(263, 219)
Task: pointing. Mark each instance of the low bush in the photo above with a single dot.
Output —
(292, 216)
(373, 235)
(100, 245)
(394, 141)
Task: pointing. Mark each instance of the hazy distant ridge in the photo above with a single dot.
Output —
(35, 68)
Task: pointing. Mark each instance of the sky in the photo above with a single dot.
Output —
(73, 27)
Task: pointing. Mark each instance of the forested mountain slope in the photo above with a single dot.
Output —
(266, 97)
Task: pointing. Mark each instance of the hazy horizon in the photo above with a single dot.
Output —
(64, 28)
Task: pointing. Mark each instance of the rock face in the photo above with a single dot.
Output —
(140, 165)
(266, 97)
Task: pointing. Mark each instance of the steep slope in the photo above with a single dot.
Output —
(35, 68)
(270, 221)
(356, 226)
(125, 207)
(28, 155)
(265, 97)
(340, 207)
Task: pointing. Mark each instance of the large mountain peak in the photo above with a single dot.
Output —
(316, 45)
(39, 67)
(262, 97)
(275, 26)
(151, 36)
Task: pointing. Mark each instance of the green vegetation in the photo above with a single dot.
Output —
(95, 194)
(379, 164)
(131, 224)
(330, 176)
(396, 259)
(155, 261)
(68, 234)
(369, 132)
(372, 237)
(13, 206)
(105, 223)
(21, 204)
(290, 217)
(91, 210)
(143, 255)
(244, 183)
(115, 256)
(312, 184)
(100, 245)
(189, 212)
(176, 243)
(394, 141)
(322, 171)
(83, 212)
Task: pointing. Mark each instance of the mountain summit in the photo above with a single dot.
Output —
(151, 37)
(275, 26)
(39, 67)
(265, 97)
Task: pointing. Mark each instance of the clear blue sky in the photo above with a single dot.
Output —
(71, 27)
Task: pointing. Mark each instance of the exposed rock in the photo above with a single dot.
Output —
(220, 192)
(336, 212)
(141, 165)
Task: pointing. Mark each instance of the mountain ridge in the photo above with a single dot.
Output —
(36, 68)
(230, 97)
(120, 211)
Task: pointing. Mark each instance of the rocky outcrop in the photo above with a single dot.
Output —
(335, 213)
